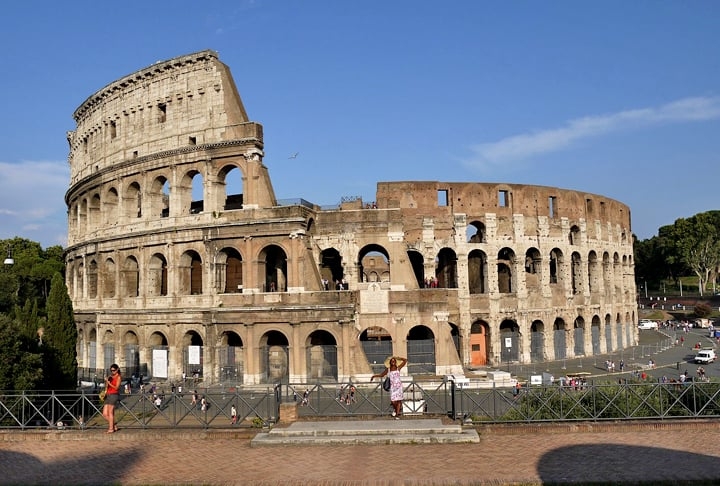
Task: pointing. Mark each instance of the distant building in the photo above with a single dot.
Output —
(181, 259)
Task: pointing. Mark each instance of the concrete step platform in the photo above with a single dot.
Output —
(387, 431)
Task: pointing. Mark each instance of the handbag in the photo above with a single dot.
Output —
(386, 384)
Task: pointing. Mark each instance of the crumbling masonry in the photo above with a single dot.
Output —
(180, 258)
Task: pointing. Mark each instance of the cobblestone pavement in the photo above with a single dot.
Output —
(505, 455)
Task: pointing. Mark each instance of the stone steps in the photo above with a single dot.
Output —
(388, 431)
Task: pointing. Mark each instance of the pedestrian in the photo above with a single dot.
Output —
(112, 397)
(622, 365)
(233, 415)
(392, 370)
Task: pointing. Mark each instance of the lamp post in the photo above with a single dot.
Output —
(9, 260)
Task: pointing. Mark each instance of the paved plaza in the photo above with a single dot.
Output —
(531, 455)
(512, 454)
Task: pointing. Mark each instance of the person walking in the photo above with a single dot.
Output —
(233, 415)
(392, 370)
(112, 397)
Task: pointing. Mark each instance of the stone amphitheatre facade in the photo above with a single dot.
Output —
(181, 259)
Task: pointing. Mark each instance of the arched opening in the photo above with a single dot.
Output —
(94, 212)
(92, 279)
(159, 360)
(505, 265)
(131, 277)
(608, 333)
(159, 196)
(455, 336)
(108, 279)
(418, 265)
(576, 273)
(376, 342)
(131, 345)
(109, 211)
(477, 272)
(595, 334)
(79, 280)
(421, 351)
(157, 275)
(594, 276)
(108, 344)
(475, 232)
(274, 354)
(275, 278)
(574, 236)
(230, 358)
(555, 266)
(379, 258)
(331, 268)
(537, 341)
(321, 357)
(533, 268)
(191, 275)
(509, 341)
(231, 180)
(132, 202)
(230, 270)
(479, 343)
(579, 336)
(619, 331)
(560, 339)
(193, 355)
(446, 269)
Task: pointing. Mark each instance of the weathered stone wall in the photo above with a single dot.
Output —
(454, 275)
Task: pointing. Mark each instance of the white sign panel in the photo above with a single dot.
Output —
(508, 342)
(160, 363)
(194, 355)
(536, 379)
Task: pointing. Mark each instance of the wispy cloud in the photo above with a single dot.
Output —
(32, 201)
(527, 145)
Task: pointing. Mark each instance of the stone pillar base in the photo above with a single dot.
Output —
(288, 412)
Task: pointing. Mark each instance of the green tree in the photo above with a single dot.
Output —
(696, 242)
(21, 363)
(60, 337)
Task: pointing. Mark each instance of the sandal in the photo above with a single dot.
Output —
(116, 429)
(109, 431)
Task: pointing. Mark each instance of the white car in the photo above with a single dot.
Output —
(647, 324)
(705, 356)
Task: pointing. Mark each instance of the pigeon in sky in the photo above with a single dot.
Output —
(294, 156)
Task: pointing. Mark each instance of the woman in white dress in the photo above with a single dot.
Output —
(392, 370)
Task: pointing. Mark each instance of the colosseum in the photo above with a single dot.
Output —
(181, 260)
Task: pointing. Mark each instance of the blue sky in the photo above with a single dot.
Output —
(615, 98)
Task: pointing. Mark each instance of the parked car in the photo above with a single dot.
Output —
(705, 356)
(647, 324)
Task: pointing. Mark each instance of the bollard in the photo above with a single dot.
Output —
(677, 365)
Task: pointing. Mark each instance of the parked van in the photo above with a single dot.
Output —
(705, 356)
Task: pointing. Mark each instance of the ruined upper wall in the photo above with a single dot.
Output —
(540, 205)
(186, 102)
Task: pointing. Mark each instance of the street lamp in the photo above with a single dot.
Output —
(9, 260)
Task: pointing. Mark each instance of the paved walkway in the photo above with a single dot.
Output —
(528, 455)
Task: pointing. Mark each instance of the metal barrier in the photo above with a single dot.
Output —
(260, 406)
(210, 409)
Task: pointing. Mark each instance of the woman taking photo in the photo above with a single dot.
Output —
(392, 370)
(112, 397)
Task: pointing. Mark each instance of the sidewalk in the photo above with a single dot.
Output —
(521, 454)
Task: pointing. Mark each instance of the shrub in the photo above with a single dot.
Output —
(702, 310)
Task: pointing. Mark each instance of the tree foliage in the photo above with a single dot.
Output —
(28, 360)
(21, 363)
(60, 336)
(696, 242)
(690, 245)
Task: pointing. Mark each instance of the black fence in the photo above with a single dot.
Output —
(260, 406)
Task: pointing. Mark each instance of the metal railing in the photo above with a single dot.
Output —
(260, 406)
(211, 409)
